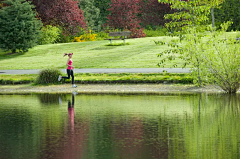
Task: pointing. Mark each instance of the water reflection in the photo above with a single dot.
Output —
(112, 126)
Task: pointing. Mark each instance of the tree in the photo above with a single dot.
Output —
(91, 14)
(213, 4)
(124, 15)
(103, 5)
(64, 13)
(229, 10)
(212, 59)
(19, 27)
(190, 14)
(152, 12)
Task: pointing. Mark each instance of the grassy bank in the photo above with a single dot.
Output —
(87, 78)
(140, 53)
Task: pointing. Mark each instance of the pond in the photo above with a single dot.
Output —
(68, 126)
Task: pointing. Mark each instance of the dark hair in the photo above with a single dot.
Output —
(65, 54)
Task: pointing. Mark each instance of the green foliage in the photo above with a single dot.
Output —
(19, 29)
(103, 5)
(238, 35)
(49, 35)
(229, 10)
(102, 35)
(64, 38)
(159, 31)
(48, 76)
(91, 14)
(213, 56)
(189, 13)
(108, 78)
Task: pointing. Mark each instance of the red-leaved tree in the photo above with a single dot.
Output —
(152, 12)
(65, 13)
(124, 15)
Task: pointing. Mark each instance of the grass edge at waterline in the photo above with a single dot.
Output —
(100, 78)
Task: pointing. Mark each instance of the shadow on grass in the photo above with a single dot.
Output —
(104, 48)
(8, 55)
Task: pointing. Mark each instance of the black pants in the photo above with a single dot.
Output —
(70, 73)
(71, 105)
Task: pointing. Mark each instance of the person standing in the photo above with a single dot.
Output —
(69, 69)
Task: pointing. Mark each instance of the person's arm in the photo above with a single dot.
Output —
(68, 64)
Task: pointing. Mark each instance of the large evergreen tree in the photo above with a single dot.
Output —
(19, 27)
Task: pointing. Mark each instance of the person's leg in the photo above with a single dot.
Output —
(68, 73)
(72, 75)
(73, 100)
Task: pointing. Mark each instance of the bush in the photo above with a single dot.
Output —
(159, 31)
(48, 76)
(50, 34)
(102, 35)
(85, 37)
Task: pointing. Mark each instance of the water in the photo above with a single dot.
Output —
(119, 127)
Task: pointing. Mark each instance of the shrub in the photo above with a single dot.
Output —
(85, 37)
(155, 32)
(50, 34)
(102, 35)
(48, 76)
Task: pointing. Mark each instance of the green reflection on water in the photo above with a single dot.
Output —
(114, 126)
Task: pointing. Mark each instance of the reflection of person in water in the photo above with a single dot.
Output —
(71, 112)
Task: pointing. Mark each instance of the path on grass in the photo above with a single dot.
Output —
(106, 70)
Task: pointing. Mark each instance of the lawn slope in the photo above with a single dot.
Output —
(141, 53)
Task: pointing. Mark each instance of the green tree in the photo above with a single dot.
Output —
(213, 58)
(214, 4)
(189, 14)
(91, 14)
(229, 10)
(19, 27)
(103, 5)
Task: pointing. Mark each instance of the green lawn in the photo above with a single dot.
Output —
(141, 53)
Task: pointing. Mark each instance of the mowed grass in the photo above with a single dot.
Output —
(141, 53)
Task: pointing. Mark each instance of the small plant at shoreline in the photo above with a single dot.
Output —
(48, 76)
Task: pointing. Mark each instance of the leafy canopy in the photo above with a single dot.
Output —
(19, 27)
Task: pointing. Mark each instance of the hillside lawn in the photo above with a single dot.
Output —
(141, 53)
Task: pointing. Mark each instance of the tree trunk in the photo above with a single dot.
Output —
(213, 18)
(14, 51)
